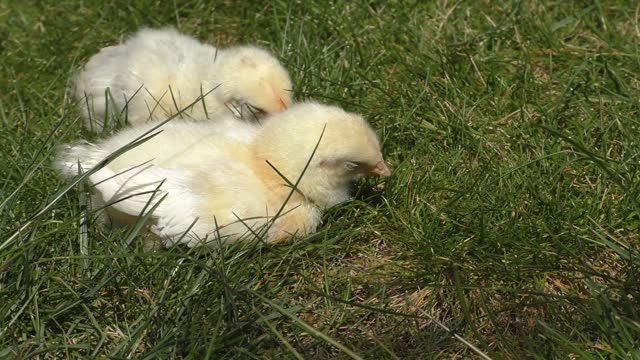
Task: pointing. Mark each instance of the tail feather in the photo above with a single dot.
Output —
(128, 191)
(94, 79)
(69, 156)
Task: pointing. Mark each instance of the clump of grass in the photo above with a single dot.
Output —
(509, 228)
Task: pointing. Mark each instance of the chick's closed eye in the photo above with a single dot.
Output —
(352, 165)
(360, 168)
(337, 165)
(256, 111)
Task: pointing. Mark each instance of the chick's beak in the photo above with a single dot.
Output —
(380, 169)
(281, 106)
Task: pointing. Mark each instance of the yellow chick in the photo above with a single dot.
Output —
(222, 175)
(158, 72)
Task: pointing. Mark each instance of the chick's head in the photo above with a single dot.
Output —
(347, 148)
(254, 78)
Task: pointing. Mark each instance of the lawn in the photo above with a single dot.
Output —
(510, 227)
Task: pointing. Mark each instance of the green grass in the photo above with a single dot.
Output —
(509, 229)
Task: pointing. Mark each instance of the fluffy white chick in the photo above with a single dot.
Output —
(219, 176)
(157, 72)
